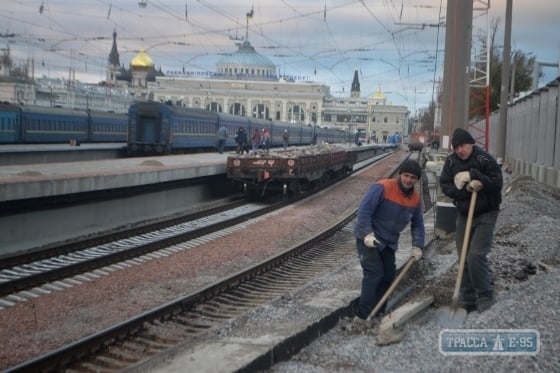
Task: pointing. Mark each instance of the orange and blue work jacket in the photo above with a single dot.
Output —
(386, 210)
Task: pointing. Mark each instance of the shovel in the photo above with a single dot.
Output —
(389, 291)
(452, 317)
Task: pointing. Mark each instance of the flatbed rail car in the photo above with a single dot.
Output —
(289, 171)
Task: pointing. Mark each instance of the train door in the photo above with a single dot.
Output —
(149, 128)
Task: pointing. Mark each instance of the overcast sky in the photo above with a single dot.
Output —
(394, 44)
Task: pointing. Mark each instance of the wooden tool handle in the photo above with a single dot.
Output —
(464, 249)
(389, 291)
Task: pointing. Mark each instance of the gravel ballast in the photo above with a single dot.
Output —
(524, 262)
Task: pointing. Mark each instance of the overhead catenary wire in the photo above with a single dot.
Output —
(306, 53)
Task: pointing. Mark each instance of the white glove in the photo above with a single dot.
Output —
(462, 178)
(474, 186)
(370, 240)
(416, 253)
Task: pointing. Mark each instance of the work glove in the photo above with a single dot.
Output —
(416, 253)
(474, 186)
(461, 178)
(370, 240)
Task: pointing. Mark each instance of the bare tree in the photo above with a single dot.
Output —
(522, 66)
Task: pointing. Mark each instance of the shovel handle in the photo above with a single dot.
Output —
(464, 250)
(389, 291)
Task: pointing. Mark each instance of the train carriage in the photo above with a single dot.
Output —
(10, 123)
(107, 127)
(53, 125)
(31, 124)
(192, 128)
(159, 128)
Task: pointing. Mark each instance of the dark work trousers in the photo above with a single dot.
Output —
(379, 271)
(476, 283)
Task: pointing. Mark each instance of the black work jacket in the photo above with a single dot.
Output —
(482, 166)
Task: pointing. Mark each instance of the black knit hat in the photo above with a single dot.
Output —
(411, 167)
(460, 137)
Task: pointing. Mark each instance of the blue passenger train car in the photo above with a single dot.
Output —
(29, 124)
(53, 125)
(107, 126)
(159, 128)
(10, 124)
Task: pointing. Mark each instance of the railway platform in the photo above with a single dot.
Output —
(44, 179)
(39, 180)
(44, 204)
(19, 154)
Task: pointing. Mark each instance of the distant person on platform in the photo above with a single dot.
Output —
(266, 139)
(285, 138)
(255, 140)
(241, 140)
(387, 209)
(222, 136)
(468, 169)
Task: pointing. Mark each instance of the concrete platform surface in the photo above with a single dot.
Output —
(46, 180)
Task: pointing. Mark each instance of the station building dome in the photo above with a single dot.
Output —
(246, 62)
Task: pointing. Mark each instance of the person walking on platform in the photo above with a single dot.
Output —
(222, 136)
(285, 138)
(468, 169)
(386, 210)
(255, 140)
(266, 140)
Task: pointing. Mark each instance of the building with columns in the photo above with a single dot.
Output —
(244, 83)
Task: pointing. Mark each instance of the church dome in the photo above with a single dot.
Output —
(246, 62)
(142, 60)
(378, 95)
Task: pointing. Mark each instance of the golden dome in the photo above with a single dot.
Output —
(379, 95)
(142, 60)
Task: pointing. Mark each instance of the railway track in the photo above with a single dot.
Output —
(31, 275)
(198, 313)
(181, 321)
(40, 272)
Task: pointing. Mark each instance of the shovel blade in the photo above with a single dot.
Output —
(450, 318)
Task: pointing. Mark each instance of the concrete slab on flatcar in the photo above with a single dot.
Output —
(18, 182)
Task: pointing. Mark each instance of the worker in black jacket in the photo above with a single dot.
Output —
(468, 169)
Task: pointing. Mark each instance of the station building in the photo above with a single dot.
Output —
(243, 83)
